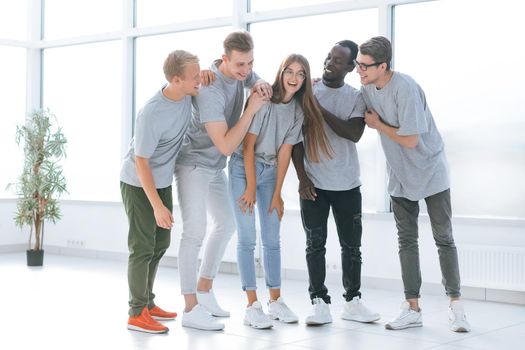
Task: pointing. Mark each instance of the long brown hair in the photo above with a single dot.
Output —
(313, 120)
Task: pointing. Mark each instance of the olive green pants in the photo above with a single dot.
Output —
(147, 243)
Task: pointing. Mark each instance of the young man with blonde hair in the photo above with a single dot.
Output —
(217, 127)
(417, 169)
(145, 184)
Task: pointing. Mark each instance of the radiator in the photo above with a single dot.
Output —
(492, 267)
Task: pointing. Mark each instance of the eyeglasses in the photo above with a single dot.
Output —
(364, 66)
(290, 73)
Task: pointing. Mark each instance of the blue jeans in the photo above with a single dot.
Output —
(270, 225)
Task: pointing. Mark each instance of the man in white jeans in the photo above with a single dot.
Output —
(216, 130)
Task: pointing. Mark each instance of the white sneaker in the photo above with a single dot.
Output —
(456, 315)
(355, 310)
(209, 302)
(407, 318)
(278, 310)
(256, 318)
(199, 318)
(320, 313)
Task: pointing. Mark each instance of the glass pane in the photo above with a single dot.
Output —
(159, 12)
(12, 84)
(70, 18)
(13, 19)
(313, 37)
(472, 80)
(82, 86)
(265, 5)
(153, 50)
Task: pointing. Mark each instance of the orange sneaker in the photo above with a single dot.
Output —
(145, 323)
(159, 314)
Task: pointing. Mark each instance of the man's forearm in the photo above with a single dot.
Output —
(148, 183)
(349, 129)
(298, 160)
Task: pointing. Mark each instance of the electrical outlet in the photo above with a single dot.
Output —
(75, 243)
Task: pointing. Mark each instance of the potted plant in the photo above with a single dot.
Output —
(41, 183)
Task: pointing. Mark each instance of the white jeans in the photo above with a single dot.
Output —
(201, 191)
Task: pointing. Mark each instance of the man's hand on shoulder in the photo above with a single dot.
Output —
(207, 77)
(263, 88)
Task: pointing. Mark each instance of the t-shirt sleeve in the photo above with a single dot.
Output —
(411, 112)
(294, 134)
(251, 80)
(147, 135)
(257, 121)
(211, 105)
(359, 107)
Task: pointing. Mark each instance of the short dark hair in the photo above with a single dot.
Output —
(351, 46)
(379, 48)
(238, 41)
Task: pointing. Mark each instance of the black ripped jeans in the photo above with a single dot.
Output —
(346, 209)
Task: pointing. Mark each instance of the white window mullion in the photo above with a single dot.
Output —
(34, 57)
(128, 74)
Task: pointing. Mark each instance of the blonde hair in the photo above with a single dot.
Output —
(176, 63)
(238, 41)
(313, 119)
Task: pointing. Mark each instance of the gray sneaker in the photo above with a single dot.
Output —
(209, 302)
(355, 310)
(199, 318)
(278, 310)
(457, 319)
(407, 318)
(320, 313)
(256, 318)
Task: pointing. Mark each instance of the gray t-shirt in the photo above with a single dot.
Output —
(159, 130)
(341, 173)
(413, 173)
(275, 124)
(223, 100)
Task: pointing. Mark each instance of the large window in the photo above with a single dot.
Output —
(82, 86)
(473, 81)
(13, 107)
(264, 5)
(159, 12)
(274, 40)
(13, 20)
(67, 18)
(153, 50)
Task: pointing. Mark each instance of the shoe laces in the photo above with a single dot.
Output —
(258, 314)
(280, 305)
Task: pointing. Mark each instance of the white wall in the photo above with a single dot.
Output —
(100, 229)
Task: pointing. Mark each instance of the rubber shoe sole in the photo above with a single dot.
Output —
(360, 318)
(145, 330)
(289, 320)
(318, 322)
(263, 326)
(216, 327)
(410, 325)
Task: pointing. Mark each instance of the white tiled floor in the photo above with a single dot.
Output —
(79, 303)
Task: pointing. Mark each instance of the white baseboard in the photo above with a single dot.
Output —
(468, 292)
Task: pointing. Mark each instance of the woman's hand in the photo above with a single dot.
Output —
(277, 204)
(247, 201)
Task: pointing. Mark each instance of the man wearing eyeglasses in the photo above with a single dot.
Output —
(417, 169)
(333, 183)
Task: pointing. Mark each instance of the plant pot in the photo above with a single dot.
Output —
(35, 257)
